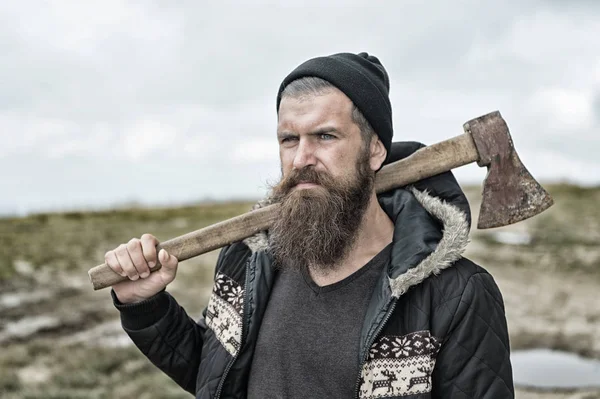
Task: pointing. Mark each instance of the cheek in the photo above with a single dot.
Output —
(342, 160)
(286, 158)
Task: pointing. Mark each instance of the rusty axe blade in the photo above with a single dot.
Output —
(510, 193)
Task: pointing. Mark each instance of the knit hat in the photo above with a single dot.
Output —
(362, 78)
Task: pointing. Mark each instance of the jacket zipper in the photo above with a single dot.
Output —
(244, 324)
(369, 343)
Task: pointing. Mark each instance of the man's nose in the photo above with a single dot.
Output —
(305, 155)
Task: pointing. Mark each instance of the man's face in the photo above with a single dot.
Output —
(317, 131)
(326, 184)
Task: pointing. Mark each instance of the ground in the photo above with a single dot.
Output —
(61, 339)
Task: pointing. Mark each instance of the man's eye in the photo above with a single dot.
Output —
(325, 136)
(288, 140)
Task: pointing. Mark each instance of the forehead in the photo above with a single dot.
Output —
(311, 111)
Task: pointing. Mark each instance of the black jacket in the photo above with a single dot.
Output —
(435, 326)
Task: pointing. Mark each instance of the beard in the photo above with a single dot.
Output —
(316, 227)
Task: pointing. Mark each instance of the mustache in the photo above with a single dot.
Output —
(305, 175)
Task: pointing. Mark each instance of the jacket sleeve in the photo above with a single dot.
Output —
(169, 338)
(166, 335)
(474, 360)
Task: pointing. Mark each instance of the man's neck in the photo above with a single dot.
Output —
(374, 234)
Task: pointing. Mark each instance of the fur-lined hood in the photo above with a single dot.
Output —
(429, 236)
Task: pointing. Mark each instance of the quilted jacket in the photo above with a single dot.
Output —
(435, 326)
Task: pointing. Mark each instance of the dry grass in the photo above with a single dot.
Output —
(52, 253)
(67, 241)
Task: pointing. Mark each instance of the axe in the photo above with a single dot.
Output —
(510, 193)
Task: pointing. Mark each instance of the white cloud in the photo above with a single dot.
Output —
(82, 27)
(90, 144)
(565, 110)
(146, 139)
(26, 132)
(251, 150)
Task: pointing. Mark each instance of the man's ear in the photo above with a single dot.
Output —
(378, 153)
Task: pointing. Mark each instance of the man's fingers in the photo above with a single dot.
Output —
(167, 260)
(126, 263)
(149, 243)
(134, 259)
(134, 247)
(169, 264)
(110, 258)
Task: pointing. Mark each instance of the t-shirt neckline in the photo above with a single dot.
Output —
(381, 257)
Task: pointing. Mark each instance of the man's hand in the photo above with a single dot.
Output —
(134, 260)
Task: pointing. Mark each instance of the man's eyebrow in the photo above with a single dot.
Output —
(325, 130)
(286, 135)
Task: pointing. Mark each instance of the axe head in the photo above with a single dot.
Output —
(510, 193)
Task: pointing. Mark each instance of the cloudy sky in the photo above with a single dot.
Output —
(160, 102)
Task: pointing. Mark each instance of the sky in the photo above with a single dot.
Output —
(105, 103)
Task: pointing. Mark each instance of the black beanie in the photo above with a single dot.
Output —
(362, 78)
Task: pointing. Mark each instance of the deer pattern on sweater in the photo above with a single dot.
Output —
(224, 312)
(399, 366)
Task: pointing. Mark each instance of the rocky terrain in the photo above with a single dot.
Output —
(61, 339)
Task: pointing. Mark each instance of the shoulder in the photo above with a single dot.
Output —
(453, 281)
(462, 286)
(464, 291)
(233, 260)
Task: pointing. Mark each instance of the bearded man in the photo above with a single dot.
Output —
(350, 294)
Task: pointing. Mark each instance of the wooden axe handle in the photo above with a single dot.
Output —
(425, 162)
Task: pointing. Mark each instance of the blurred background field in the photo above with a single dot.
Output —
(60, 339)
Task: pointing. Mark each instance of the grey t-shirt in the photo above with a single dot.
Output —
(308, 342)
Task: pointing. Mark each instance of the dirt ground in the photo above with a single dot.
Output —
(61, 339)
